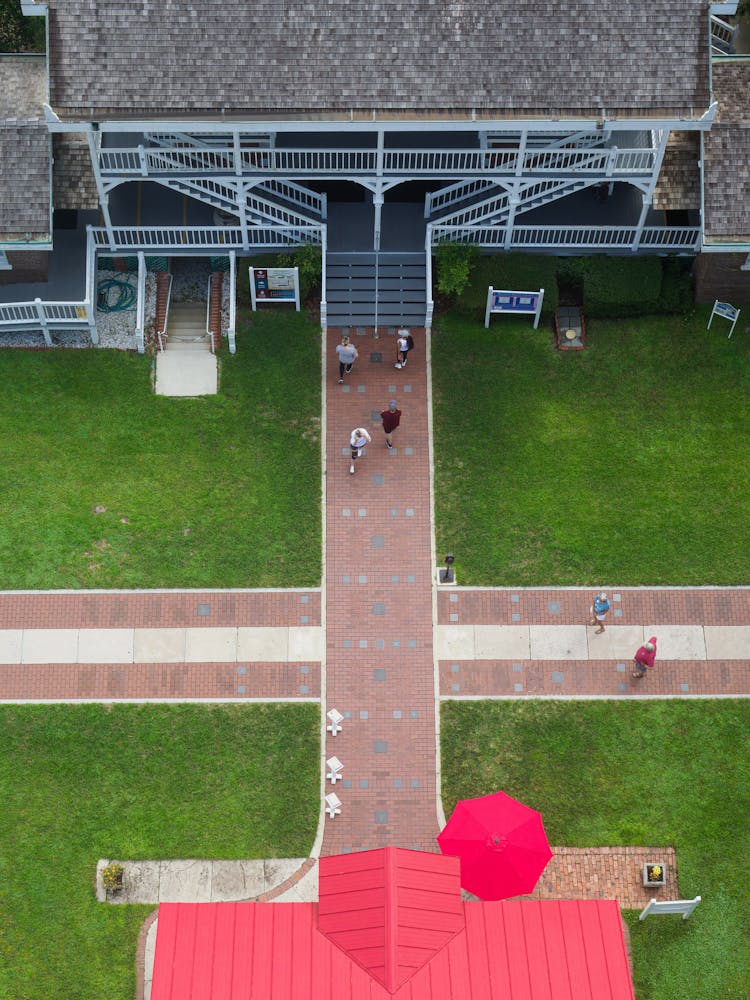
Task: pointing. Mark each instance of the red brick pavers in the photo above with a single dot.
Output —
(379, 660)
(159, 681)
(594, 678)
(606, 873)
(159, 609)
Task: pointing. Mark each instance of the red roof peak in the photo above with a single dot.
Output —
(391, 910)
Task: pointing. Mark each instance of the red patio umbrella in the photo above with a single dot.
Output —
(501, 844)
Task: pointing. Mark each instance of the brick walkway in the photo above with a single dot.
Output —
(379, 660)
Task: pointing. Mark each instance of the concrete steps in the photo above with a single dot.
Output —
(187, 328)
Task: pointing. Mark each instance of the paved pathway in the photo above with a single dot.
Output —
(379, 658)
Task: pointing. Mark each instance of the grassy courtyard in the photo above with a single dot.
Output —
(605, 773)
(84, 782)
(626, 462)
(222, 491)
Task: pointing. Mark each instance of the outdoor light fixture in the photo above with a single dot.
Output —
(446, 575)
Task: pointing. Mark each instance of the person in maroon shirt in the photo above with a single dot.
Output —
(391, 419)
(644, 658)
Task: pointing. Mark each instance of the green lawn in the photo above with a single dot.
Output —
(84, 782)
(222, 491)
(604, 773)
(626, 463)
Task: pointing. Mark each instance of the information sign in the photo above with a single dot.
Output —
(726, 311)
(274, 286)
(503, 301)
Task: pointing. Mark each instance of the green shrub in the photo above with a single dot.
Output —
(677, 294)
(454, 264)
(19, 33)
(621, 286)
(513, 271)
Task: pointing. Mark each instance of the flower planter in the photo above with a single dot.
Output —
(654, 874)
(113, 877)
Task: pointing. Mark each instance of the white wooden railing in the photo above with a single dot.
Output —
(568, 237)
(129, 239)
(430, 307)
(298, 195)
(606, 162)
(722, 36)
(231, 332)
(140, 316)
(453, 193)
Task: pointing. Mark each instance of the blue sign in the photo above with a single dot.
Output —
(504, 301)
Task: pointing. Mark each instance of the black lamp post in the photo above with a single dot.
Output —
(447, 575)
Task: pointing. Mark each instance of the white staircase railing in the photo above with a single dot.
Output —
(452, 194)
(140, 307)
(298, 195)
(231, 332)
(225, 196)
(161, 335)
(722, 36)
(430, 306)
(497, 208)
(209, 331)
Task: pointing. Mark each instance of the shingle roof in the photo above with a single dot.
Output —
(679, 183)
(73, 181)
(177, 57)
(24, 150)
(726, 170)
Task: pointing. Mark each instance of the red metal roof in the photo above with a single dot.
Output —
(390, 910)
(514, 950)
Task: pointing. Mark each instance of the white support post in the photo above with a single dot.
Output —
(521, 156)
(323, 302)
(91, 285)
(237, 153)
(42, 317)
(242, 192)
(141, 303)
(377, 195)
(231, 332)
(641, 223)
(143, 161)
(94, 141)
(513, 200)
(611, 161)
(428, 277)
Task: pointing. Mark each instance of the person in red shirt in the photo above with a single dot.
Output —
(644, 658)
(391, 419)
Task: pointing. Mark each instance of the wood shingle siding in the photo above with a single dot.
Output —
(679, 184)
(176, 58)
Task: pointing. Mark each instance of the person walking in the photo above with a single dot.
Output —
(391, 419)
(358, 438)
(644, 658)
(404, 344)
(598, 611)
(347, 354)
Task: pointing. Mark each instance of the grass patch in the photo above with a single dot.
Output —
(625, 462)
(605, 773)
(84, 782)
(222, 491)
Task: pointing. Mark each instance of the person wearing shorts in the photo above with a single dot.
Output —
(404, 344)
(598, 611)
(358, 438)
(347, 354)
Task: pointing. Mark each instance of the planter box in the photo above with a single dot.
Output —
(654, 874)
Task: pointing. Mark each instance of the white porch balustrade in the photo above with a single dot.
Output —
(402, 163)
(584, 238)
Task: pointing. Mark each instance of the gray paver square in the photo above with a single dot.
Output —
(515, 617)
(408, 451)
(360, 388)
(345, 388)
(347, 512)
(379, 674)
(553, 607)
(413, 782)
(518, 687)
(204, 610)
(381, 817)
(453, 598)
(514, 598)
(453, 617)
(363, 643)
(364, 783)
(391, 389)
(347, 644)
(380, 644)
(395, 578)
(622, 686)
(376, 358)
(620, 668)
(380, 746)
(410, 512)
(346, 579)
(398, 782)
(517, 668)
(617, 613)
(455, 668)
(378, 608)
(304, 669)
(414, 713)
(241, 670)
(304, 619)
(241, 689)
(397, 713)
(455, 686)
(407, 388)
(362, 512)
(377, 541)
(411, 578)
(304, 689)
(557, 677)
(684, 687)
(304, 599)
(364, 714)
(377, 479)
(362, 578)
(347, 783)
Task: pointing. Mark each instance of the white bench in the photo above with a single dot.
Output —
(683, 906)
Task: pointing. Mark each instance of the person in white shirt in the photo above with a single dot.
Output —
(358, 438)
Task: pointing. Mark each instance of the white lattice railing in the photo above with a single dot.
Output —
(145, 162)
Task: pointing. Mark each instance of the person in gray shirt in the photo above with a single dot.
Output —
(347, 353)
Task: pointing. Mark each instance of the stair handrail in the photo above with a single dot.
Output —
(140, 315)
(161, 335)
(323, 278)
(209, 331)
(232, 301)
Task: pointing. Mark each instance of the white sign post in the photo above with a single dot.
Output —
(501, 301)
(274, 285)
(683, 906)
(727, 311)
